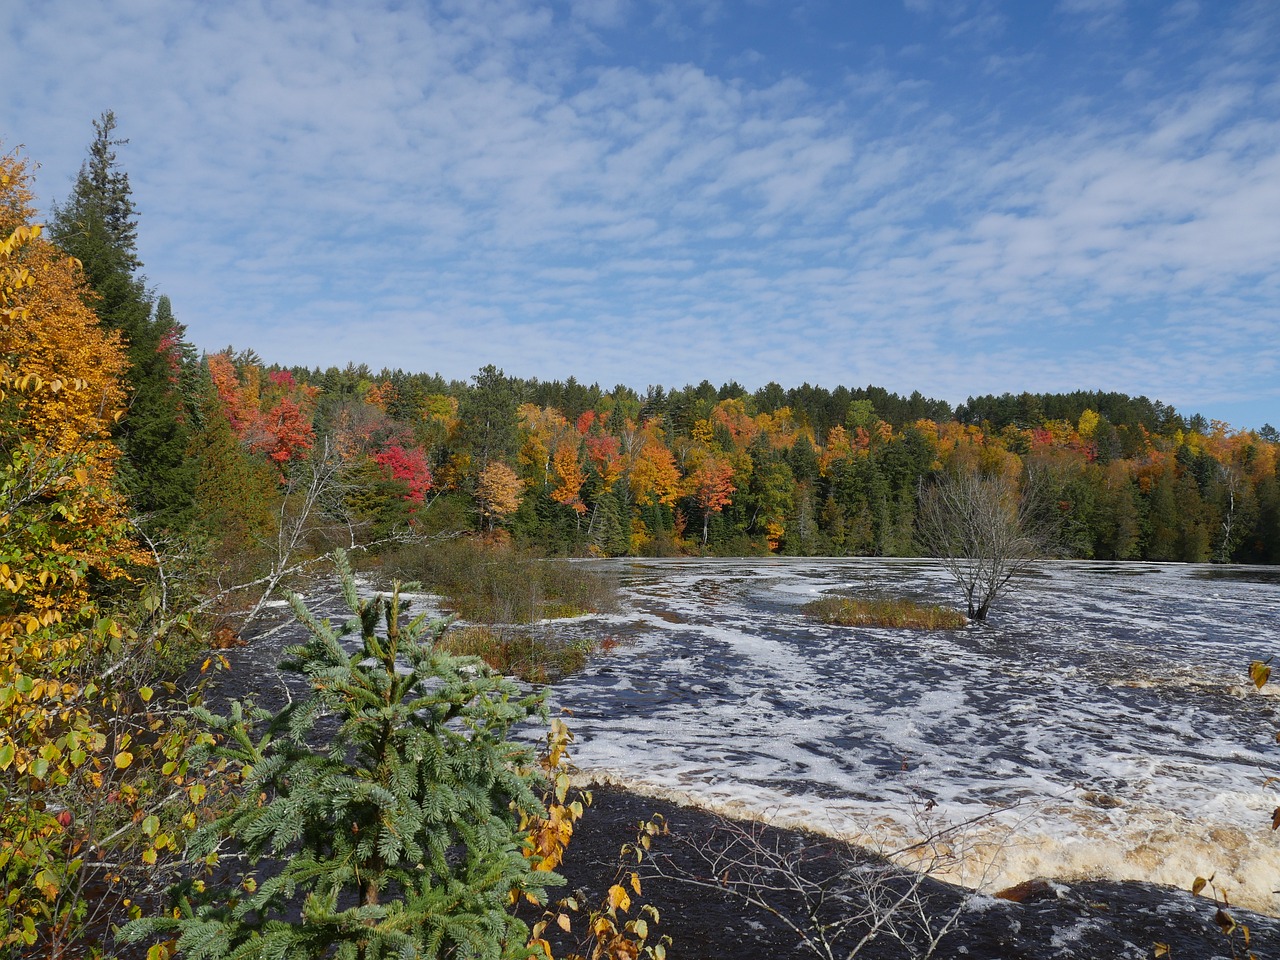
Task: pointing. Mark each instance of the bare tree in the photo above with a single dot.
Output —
(986, 530)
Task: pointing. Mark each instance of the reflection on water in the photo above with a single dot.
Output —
(1240, 574)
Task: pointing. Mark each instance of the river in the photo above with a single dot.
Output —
(1100, 725)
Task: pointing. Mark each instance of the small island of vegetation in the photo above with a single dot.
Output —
(885, 612)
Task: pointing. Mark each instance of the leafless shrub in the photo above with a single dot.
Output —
(835, 897)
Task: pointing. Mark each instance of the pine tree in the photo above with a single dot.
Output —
(98, 226)
(488, 418)
(399, 837)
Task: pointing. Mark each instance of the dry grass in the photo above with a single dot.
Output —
(519, 653)
(878, 612)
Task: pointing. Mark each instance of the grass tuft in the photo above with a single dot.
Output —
(518, 653)
(851, 612)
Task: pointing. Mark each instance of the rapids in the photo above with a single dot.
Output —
(1100, 725)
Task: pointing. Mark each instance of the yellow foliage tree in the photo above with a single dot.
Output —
(499, 492)
(62, 526)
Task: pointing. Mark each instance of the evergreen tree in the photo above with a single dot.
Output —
(803, 459)
(1117, 523)
(399, 837)
(158, 429)
(98, 226)
(237, 493)
(1162, 532)
(488, 417)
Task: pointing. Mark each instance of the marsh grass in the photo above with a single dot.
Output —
(501, 591)
(881, 612)
(499, 584)
(521, 653)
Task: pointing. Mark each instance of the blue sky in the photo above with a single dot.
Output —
(955, 196)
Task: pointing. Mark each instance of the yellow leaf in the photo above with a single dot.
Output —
(123, 759)
(1259, 673)
(635, 883)
(562, 921)
(619, 899)
(149, 856)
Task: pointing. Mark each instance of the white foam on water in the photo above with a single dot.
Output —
(1097, 727)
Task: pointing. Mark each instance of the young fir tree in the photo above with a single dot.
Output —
(98, 225)
(401, 836)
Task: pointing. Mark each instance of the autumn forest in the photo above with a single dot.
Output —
(143, 482)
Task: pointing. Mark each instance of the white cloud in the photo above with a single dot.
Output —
(443, 187)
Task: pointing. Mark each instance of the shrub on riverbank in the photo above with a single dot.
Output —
(880, 612)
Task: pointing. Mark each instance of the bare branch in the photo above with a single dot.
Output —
(986, 530)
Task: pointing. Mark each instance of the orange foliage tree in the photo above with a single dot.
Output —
(711, 487)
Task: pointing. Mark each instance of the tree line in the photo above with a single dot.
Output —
(209, 445)
(801, 471)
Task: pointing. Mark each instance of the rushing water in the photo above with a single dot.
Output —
(1101, 724)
